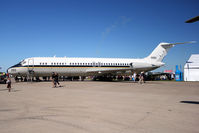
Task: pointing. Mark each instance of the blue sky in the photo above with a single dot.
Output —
(96, 28)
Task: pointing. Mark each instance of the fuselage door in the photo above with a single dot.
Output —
(30, 72)
(131, 65)
(30, 64)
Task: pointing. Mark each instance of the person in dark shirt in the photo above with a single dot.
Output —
(56, 80)
(53, 79)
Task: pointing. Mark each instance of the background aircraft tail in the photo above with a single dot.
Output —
(161, 51)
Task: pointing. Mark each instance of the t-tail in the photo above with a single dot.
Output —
(161, 51)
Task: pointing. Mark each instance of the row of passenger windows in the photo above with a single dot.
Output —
(92, 64)
(101, 64)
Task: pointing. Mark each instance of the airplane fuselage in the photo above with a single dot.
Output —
(65, 66)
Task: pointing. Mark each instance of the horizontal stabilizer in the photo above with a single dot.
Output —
(184, 42)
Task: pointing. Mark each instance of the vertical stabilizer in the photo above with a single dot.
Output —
(161, 51)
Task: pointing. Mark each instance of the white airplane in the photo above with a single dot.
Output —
(65, 66)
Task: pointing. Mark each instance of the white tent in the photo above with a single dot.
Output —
(191, 68)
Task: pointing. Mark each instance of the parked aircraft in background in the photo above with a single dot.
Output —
(65, 66)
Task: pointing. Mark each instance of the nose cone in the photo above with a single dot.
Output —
(12, 70)
(9, 70)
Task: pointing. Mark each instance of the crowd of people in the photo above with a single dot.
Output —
(140, 77)
(55, 79)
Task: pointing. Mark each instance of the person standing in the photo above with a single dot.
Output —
(134, 76)
(141, 78)
(57, 79)
(53, 80)
(8, 84)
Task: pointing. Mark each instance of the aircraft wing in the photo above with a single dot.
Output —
(123, 70)
(105, 70)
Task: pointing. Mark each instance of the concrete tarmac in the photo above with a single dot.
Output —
(100, 107)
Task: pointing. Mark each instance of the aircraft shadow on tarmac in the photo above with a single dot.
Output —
(3, 89)
(190, 102)
(7, 90)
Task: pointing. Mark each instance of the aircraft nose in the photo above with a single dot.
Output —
(11, 70)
